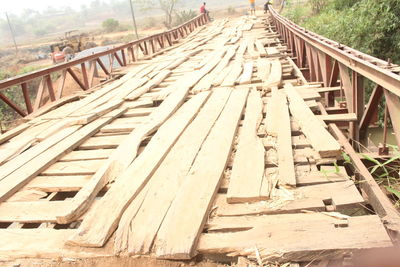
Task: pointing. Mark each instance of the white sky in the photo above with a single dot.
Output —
(17, 6)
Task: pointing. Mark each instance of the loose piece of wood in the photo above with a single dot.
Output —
(247, 73)
(22, 176)
(248, 165)
(321, 140)
(94, 233)
(302, 237)
(166, 181)
(286, 171)
(179, 233)
(340, 194)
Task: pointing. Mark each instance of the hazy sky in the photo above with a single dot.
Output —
(18, 5)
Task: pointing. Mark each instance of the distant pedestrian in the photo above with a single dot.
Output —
(266, 5)
(203, 9)
(252, 7)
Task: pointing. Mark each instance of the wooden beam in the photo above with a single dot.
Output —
(22, 176)
(286, 172)
(182, 226)
(248, 165)
(338, 117)
(95, 235)
(302, 237)
(319, 137)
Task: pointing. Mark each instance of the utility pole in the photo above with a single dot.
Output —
(12, 33)
(133, 19)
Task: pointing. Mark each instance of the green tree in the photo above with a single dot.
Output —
(110, 25)
(184, 16)
(167, 6)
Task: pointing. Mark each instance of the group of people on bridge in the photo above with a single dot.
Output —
(203, 9)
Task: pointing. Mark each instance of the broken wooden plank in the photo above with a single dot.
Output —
(275, 77)
(321, 140)
(313, 197)
(263, 69)
(127, 151)
(179, 233)
(247, 73)
(248, 165)
(260, 48)
(120, 195)
(58, 183)
(302, 237)
(338, 117)
(231, 78)
(87, 155)
(286, 173)
(170, 176)
(22, 176)
(83, 167)
(22, 159)
(103, 142)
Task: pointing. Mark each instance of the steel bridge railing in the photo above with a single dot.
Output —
(123, 55)
(326, 61)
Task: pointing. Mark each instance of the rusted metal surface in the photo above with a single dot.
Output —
(148, 45)
(329, 61)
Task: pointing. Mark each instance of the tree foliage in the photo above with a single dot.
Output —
(110, 25)
(370, 26)
(167, 6)
(183, 16)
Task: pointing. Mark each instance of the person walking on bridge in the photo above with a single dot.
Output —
(252, 7)
(266, 5)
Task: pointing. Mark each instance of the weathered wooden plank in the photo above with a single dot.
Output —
(231, 78)
(167, 179)
(338, 117)
(82, 167)
(286, 173)
(103, 142)
(13, 132)
(302, 237)
(247, 73)
(275, 77)
(261, 49)
(250, 49)
(149, 85)
(272, 52)
(118, 198)
(248, 165)
(272, 116)
(31, 212)
(119, 128)
(341, 194)
(263, 69)
(179, 233)
(138, 112)
(58, 183)
(87, 155)
(127, 151)
(22, 159)
(19, 178)
(321, 140)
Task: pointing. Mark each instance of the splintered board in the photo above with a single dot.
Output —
(299, 237)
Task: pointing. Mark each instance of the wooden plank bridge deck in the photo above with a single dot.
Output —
(214, 147)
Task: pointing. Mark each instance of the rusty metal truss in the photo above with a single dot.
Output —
(332, 64)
